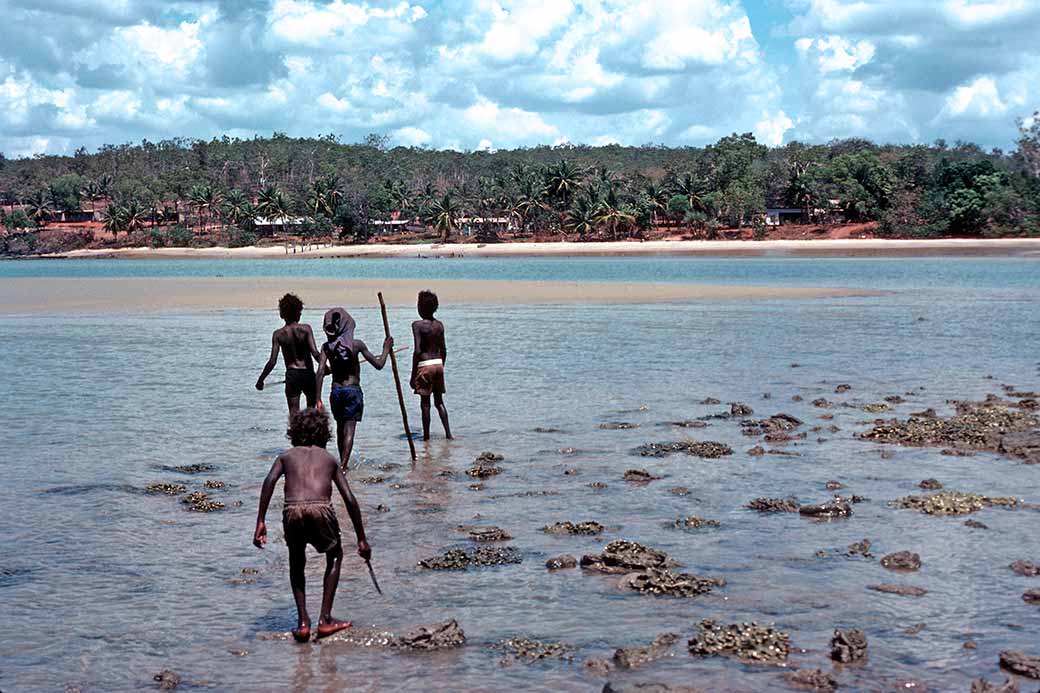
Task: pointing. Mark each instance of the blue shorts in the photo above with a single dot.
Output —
(347, 403)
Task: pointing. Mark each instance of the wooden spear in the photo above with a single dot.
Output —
(397, 380)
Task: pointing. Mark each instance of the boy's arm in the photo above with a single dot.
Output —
(415, 354)
(320, 377)
(260, 535)
(271, 362)
(353, 510)
(444, 345)
(377, 361)
(310, 342)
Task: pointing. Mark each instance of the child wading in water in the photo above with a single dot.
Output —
(296, 342)
(340, 356)
(428, 362)
(308, 516)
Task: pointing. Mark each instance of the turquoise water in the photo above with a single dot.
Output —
(940, 273)
(101, 585)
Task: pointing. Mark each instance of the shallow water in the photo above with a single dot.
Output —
(102, 585)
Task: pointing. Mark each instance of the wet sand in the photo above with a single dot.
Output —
(34, 295)
(849, 247)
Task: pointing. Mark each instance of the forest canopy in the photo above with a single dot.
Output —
(572, 190)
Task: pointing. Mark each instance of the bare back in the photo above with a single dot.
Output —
(429, 339)
(309, 473)
(297, 345)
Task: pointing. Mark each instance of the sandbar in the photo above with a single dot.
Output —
(63, 295)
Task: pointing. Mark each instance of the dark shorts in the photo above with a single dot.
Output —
(310, 522)
(300, 381)
(347, 403)
(429, 380)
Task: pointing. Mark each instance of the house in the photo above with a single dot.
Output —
(778, 216)
(470, 225)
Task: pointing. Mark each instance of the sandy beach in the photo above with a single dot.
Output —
(846, 247)
(34, 295)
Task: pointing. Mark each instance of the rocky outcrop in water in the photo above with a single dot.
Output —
(200, 502)
(693, 522)
(527, 650)
(1031, 597)
(166, 488)
(953, 503)
(436, 636)
(860, 548)
(588, 528)
(991, 425)
(213, 484)
(706, 449)
(167, 680)
(746, 641)
(849, 646)
(191, 468)
(618, 426)
(773, 505)
(662, 581)
(634, 657)
(1020, 663)
(930, 485)
(623, 556)
(740, 409)
(772, 427)
(836, 507)
(484, 534)
(902, 590)
(562, 562)
(981, 685)
(902, 561)
(1025, 568)
(811, 680)
(463, 559)
(485, 466)
(640, 476)
(648, 687)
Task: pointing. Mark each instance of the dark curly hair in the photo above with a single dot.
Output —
(309, 427)
(290, 307)
(428, 304)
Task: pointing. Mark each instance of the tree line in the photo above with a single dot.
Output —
(325, 187)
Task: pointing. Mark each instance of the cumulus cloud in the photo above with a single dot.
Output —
(468, 73)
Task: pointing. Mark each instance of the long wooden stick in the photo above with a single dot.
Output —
(397, 381)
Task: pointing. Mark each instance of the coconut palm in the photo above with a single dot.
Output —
(582, 216)
(443, 215)
(690, 187)
(237, 207)
(134, 215)
(39, 207)
(656, 197)
(112, 219)
(613, 213)
(325, 196)
(206, 200)
(527, 200)
(92, 192)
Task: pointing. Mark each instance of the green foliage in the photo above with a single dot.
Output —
(241, 238)
(18, 220)
(596, 192)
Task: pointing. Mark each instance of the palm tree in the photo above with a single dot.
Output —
(39, 207)
(444, 215)
(562, 183)
(237, 207)
(92, 192)
(325, 196)
(656, 198)
(112, 219)
(690, 187)
(582, 216)
(613, 213)
(134, 215)
(206, 200)
(527, 200)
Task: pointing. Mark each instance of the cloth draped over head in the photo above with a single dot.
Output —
(339, 328)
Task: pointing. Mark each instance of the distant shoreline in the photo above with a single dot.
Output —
(870, 247)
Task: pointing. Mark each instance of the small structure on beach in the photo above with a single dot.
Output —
(778, 216)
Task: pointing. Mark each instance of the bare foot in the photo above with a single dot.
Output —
(327, 628)
(303, 631)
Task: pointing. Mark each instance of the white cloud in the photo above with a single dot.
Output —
(771, 128)
(331, 102)
(174, 48)
(834, 53)
(411, 137)
(980, 99)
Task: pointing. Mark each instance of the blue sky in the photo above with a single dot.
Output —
(474, 74)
